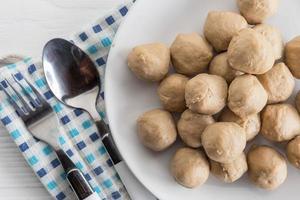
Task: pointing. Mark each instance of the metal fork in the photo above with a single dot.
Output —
(41, 121)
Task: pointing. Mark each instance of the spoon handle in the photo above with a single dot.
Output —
(108, 141)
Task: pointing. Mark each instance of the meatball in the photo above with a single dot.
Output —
(191, 125)
(292, 59)
(257, 11)
(293, 152)
(250, 52)
(171, 92)
(189, 167)
(246, 96)
(278, 82)
(219, 66)
(206, 94)
(267, 167)
(229, 172)
(223, 141)
(221, 26)
(280, 122)
(251, 123)
(190, 54)
(150, 61)
(274, 36)
(297, 101)
(157, 129)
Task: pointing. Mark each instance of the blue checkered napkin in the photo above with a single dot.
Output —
(79, 137)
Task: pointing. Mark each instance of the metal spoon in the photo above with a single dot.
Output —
(74, 80)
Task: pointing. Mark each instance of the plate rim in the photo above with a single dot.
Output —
(107, 107)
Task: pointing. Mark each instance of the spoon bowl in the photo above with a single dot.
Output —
(71, 75)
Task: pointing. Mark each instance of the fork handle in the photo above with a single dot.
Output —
(76, 179)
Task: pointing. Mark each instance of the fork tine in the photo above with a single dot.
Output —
(25, 108)
(40, 98)
(34, 102)
(18, 110)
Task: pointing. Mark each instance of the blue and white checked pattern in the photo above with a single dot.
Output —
(79, 137)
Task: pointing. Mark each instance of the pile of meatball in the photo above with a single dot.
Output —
(229, 86)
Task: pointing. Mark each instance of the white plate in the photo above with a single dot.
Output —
(127, 97)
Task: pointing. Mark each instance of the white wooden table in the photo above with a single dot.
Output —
(25, 26)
